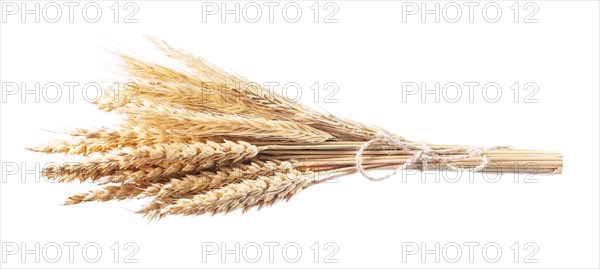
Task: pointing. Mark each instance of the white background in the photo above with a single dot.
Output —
(370, 53)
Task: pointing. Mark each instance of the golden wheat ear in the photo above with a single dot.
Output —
(265, 190)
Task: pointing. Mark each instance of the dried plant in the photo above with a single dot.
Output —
(196, 139)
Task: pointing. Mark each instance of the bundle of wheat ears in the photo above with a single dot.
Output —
(196, 139)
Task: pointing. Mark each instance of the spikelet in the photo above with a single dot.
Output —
(117, 192)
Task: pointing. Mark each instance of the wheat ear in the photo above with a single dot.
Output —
(244, 195)
(161, 160)
(208, 125)
(194, 184)
(178, 187)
